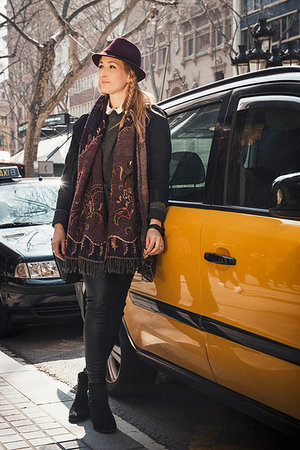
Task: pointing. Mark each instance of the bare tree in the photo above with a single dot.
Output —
(69, 25)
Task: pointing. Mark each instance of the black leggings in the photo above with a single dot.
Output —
(105, 302)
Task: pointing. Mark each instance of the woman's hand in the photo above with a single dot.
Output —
(154, 243)
(58, 242)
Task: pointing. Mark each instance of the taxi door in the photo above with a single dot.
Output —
(250, 261)
(163, 317)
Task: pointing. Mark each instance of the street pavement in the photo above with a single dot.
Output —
(34, 414)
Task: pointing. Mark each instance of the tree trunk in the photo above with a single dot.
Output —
(31, 144)
(35, 117)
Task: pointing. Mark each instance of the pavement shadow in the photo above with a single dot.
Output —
(85, 432)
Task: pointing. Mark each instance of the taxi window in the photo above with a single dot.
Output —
(24, 203)
(191, 134)
(265, 145)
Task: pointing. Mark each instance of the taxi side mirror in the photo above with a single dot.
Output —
(286, 196)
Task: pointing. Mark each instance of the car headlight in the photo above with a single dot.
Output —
(42, 269)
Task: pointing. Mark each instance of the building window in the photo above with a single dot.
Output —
(284, 28)
(20, 114)
(3, 120)
(252, 5)
(202, 42)
(188, 47)
(217, 37)
(293, 25)
(146, 62)
(162, 52)
(219, 75)
(276, 28)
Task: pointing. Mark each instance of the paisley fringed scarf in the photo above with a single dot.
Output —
(109, 238)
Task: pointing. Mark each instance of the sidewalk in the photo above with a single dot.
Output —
(34, 414)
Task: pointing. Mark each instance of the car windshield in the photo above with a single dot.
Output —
(27, 203)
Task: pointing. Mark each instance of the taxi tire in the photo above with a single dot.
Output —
(6, 327)
(126, 373)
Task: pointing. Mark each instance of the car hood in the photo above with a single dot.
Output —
(31, 242)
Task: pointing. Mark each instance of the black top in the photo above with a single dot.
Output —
(107, 145)
(158, 145)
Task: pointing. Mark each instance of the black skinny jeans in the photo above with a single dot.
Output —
(105, 302)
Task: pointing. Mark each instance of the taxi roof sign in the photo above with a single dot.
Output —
(8, 172)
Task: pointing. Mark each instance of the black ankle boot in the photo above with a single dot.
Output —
(79, 410)
(101, 415)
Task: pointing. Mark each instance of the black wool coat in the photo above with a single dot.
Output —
(158, 145)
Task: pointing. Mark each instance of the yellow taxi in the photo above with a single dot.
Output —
(223, 311)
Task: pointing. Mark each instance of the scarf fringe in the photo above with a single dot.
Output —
(96, 269)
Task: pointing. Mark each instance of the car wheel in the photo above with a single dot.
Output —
(6, 327)
(126, 374)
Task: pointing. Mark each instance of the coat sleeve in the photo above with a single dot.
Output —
(69, 176)
(159, 156)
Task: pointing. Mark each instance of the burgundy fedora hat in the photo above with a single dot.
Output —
(126, 51)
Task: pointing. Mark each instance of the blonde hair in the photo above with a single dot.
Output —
(136, 101)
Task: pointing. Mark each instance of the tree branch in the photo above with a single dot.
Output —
(14, 52)
(116, 21)
(151, 15)
(162, 3)
(65, 8)
(21, 32)
(73, 52)
(207, 12)
(82, 8)
(9, 65)
(62, 22)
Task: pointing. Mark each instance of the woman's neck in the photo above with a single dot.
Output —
(116, 101)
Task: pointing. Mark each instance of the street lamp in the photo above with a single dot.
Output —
(258, 58)
(263, 55)
(290, 57)
(241, 61)
(262, 33)
(275, 59)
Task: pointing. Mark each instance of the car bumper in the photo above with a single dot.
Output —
(40, 301)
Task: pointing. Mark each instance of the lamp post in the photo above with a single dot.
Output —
(290, 57)
(263, 55)
(275, 59)
(258, 58)
(262, 33)
(241, 61)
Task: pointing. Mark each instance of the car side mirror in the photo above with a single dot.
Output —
(286, 196)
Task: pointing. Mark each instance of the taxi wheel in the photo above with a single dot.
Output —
(126, 374)
(6, 327)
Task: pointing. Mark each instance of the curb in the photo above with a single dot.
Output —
(34, 414)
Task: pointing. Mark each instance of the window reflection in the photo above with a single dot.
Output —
(27, 202)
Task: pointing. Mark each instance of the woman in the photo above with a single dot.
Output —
(110, 211)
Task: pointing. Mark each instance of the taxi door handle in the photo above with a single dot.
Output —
(220, 259)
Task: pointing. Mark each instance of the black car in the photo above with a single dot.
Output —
(31, 289)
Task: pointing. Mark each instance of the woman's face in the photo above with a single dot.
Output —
(113, 77)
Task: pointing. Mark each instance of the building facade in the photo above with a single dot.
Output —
(283, 17)
(5, 133)
(182, 48)
(192, 48)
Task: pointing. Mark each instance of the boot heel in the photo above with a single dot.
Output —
(101, 415)
(80, 410)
